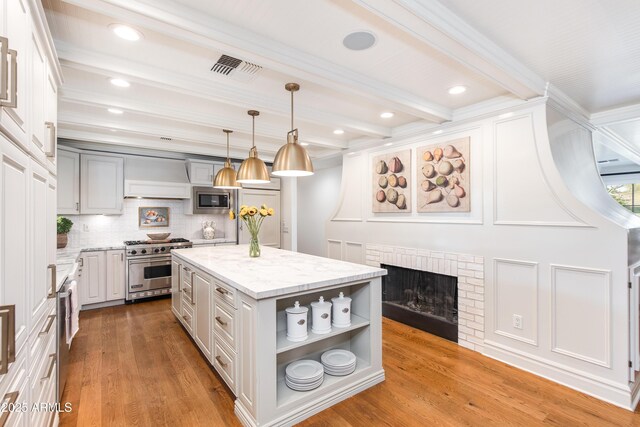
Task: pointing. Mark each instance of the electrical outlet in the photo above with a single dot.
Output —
(85, 227)
(517, 321)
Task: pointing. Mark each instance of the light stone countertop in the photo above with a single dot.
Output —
(217, 240)
(276, 272)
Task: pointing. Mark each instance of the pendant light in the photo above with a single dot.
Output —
(292, 159)
(226, 177)
(253, 170)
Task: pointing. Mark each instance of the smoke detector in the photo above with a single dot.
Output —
(236, 68)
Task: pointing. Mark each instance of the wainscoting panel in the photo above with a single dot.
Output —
(353, 252)
(581, 313)
(516, 294)
(334, 249)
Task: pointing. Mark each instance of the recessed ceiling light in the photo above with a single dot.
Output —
(351, 153)
(338, 132)
(437, 132)
(386, 115)
(126, 32)
(120, 82)
(114, 111)
(388, 144)
(456, 90)
(304, 143)
(113, 130)
(505, 115)
(359, 40)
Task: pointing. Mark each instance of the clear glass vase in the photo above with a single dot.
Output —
(254, 246)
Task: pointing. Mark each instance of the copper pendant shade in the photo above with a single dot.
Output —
(226, 177)
(292, 159)
(253, 170)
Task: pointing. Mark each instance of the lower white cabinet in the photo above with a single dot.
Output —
(176, 290)
(102, 277)
(201, 289)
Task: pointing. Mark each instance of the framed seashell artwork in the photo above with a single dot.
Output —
(391, 182)
(443, 178)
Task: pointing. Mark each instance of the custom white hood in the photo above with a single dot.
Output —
(155, 178)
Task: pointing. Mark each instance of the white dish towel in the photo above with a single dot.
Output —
(73, 323)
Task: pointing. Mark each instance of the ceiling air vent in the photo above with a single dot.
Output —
(166, 138)
(236, 68)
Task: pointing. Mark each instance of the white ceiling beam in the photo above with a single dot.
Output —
(207, 31)
(185, 115)
(89, 61)
(434, 24)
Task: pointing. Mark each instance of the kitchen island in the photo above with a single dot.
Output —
(233, 306)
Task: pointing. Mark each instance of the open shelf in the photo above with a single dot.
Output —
(287, 396)
(283, 344)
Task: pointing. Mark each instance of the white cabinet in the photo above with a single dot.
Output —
(92, 272)
(102, 184)
(15, 26)
(201, 294)
(201, 172)
(51, 120)
(176, 289)
(38, 104)
(68, 182)
(270, 230)
(102, 277)
(115, 275)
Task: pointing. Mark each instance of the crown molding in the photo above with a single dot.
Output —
(615, 142)
(204, 30)
(616, 115)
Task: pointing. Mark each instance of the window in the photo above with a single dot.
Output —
(628, 195)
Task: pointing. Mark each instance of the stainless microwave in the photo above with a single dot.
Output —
(207, 200)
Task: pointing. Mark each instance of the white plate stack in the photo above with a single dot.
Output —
(338, 362)
(304, 375)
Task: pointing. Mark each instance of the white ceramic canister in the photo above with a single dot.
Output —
(297, 322)
(321, 315)
(341, 311)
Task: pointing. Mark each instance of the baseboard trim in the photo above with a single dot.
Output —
(616, 394)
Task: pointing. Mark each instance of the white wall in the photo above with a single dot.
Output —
(547, 256)
(112, 229)
(317, 200)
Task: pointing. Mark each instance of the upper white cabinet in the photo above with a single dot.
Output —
(51, 120)
(15, 27)
(202, 172)
(102, 188)
(115, 275)
(69, 182)
(38, 104)
(270, 230)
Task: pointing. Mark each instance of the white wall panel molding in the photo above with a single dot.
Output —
(334, 249)
(538, 205)
(515, 291)
(354, 252)
(581, 313)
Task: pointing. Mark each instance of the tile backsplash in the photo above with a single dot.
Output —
(89, 230)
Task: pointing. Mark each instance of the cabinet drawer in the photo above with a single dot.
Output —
(187, 294)
(225, 293)
(187, 275)
(224, 360)
(187, 318)
(14, 389)
(41, 337)
(43, 374)
(224, 323)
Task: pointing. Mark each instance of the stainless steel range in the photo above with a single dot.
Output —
(149, 267)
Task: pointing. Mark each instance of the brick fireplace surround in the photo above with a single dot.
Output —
(469, 270)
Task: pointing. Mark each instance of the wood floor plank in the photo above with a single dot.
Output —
(135, 365)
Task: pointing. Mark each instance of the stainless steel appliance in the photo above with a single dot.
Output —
(149, 267)
(63, 317)
(207, 200)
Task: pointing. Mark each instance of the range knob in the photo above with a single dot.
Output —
(133, 252)
(156, 250)
(163, 249)
(144, 251)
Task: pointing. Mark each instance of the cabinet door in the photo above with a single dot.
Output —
(176, 297)
(51, 119)
(40, 285)
(101, 184)
(270, 230)
(37, 90)
(201, 173)
(202, 301)
(115, 275)
(52, 236)
(92, 284)
(13, 121)
(14, 232)
(68, 183)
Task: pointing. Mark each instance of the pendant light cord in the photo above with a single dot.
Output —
(291, 110)
(253, 132)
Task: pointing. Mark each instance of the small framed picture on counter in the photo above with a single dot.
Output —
(153, 217)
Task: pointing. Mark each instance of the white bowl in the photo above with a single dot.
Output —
(158, 236)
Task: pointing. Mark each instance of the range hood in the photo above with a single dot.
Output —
(155, 178)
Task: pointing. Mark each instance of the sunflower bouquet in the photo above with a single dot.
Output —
(253, 217)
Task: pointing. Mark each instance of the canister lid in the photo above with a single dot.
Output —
(340, 298)
(321, 303)
(296, 309)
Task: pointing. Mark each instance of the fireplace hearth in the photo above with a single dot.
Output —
(421, 299)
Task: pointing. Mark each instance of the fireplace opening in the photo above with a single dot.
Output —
(421, 299)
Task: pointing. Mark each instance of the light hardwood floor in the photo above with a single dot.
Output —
(135, 366)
